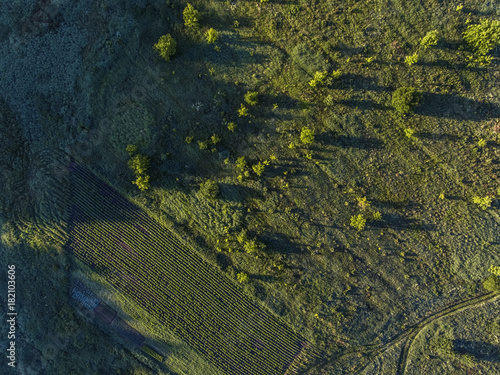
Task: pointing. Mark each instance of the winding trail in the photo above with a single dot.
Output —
(373, 351)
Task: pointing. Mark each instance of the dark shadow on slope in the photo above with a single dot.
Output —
(456, 107)
(359, 82)
(279, 243)
(350, 141)
(480, 350)
(362, 104)
(438, 137)
(399, 222)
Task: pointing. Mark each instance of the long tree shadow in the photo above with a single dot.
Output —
(350, 141)
(359, 82)
(456, 107)
(480, 350)
(279, 243)
(362, 104)
(438, 137)
(399, 222)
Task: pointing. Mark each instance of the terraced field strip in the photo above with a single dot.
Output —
(170, 281)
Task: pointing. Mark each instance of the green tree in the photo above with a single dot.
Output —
(209, 189)
(191, 16)
(140, 166)
(243, 111)
(412, 59)
(492, 283)
(320, 78)
(307, 135)
(430, 39)
(483, 202)
(242, 277)
(358, 222)
(258, 168)
(166, 47)
(241, 163)
(252, 246)
(482, 38)
(252, 97)
(404, 99)
(232, 126)
(211, 35)
(142, 182)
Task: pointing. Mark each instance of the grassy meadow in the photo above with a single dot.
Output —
(367, 231)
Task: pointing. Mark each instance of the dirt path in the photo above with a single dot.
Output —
(372, 352)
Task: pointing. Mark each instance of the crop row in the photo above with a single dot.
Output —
(173, 283)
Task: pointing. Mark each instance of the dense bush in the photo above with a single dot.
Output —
(492, 283)
(140, 165)
(209, 189)
(166, 47)
(430, 39)
(191, 16)
(412, 59)
(242, 277)
(483, 202)
(211, 35)
(482, 38)
(404, 99)
(358, 222)
(307, 135)
(252, 97)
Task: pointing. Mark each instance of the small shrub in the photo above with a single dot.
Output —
(166, 47)
(319, 79)
(430, 39)
(483, 202)
(252, 246)
(243, 111)
(258, 168)
(252, 97)
(409, 132)
(495, 270)
(139, 164)
(142, 182)
(363, 202)
(329, 100)
(203, 145)
(242, 277)
(307, 135)
(211, 35)
(215, 139)
(404, 99)
(241, 163)
(410, 60)
(209, 189)
(481, 143)
(468, 360)
(442, 346)
(492, 283)
(131, 149)
(377, 216)
(358, 222)
(336, 74)
(231, 126)
(191, 16)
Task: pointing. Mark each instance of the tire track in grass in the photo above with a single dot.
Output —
(373, 351)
